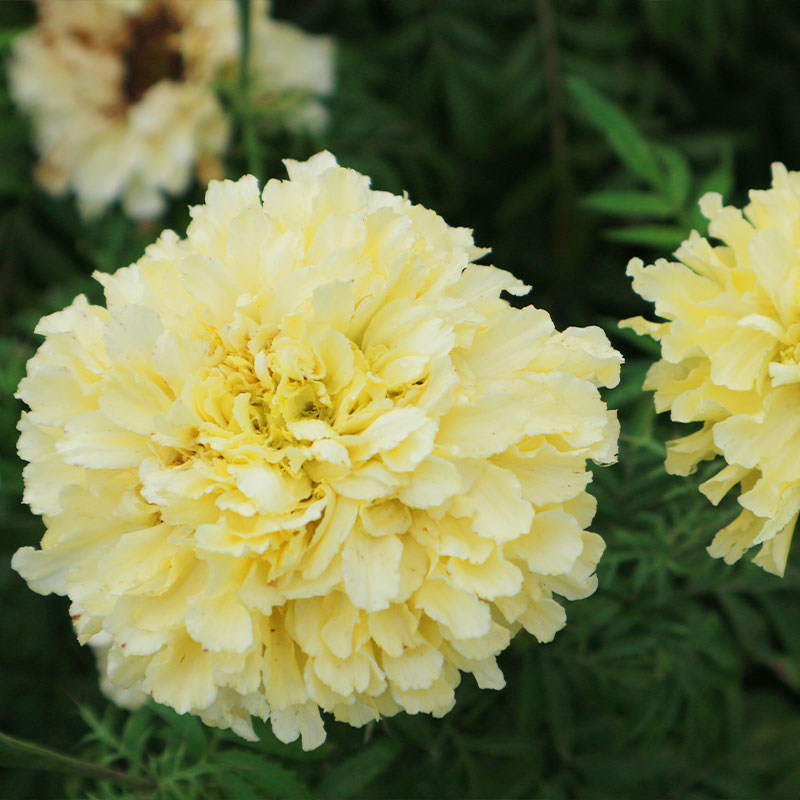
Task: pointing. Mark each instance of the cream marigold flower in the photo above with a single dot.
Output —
(730, 350)
(122, 93)
(307, 458)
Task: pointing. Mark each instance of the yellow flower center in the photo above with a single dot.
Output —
(789, 350)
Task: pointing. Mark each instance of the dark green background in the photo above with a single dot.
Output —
(680, 677)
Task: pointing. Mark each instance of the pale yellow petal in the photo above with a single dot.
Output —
(486, 426)
(94, 442)
(544, 619)
(180, 676)
(223, 624)
(394, 629)
(463, 613)
(416, 668)
(431, 483)
(371, 569)
(496, 505)
(553, 544)
(496, 577)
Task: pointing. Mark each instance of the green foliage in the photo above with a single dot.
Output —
(571, 135)
(22, 753)
(671, 190)
(356, 773)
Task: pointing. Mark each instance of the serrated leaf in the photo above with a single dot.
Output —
(235, 787)
(273, 779)
(187, 727)
(747, 623)
(659, 237)
(351, 777)
(135, 733)
(677, 174)
(620, 130)
(629, 202)
(101, 730)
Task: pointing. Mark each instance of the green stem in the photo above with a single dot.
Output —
(246, 119)
(559, 149)
(35, 756)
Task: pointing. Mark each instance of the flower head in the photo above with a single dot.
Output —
(730, 347)
(122, 93)
(307, 458)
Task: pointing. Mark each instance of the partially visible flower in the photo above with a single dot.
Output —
(730, 347)
(307, 458)
(288, 62)
(122, 93)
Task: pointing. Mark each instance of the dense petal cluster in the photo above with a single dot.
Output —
(308, 458)
(122, 97)
(730, 350)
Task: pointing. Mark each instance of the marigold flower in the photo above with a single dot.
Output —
(730, 350)
(307, 458)
(122, 93)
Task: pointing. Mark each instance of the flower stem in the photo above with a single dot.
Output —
(559, 149)
(24, 754)
(246, 119)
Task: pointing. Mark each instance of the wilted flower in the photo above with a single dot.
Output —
(122, 93)
(730, 351)
(307, 458)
